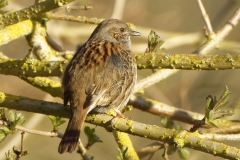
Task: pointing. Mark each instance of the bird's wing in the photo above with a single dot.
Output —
(97, 75)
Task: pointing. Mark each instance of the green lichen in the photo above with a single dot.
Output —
(180, 138)
(2, 97)
(111, 112)
(129, 122)
(148, 128)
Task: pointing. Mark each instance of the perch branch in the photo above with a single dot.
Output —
(32, 67)
(180, 138)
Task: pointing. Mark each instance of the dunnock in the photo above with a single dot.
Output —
(100, 76)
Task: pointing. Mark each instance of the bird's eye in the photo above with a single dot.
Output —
(122, 29)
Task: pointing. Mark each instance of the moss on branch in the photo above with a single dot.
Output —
(10, 18)
(180, 138)
(32, 67)
(45, 84)
(188, 61)
(125, 144)
(15, 31)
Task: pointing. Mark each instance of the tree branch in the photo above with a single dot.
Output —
(220, 35)
(162, 109)
(34, 11)
(125, 145)
(45, 84)
(187, 61)
(33, 131)
(180, 138)
(32, 67)
(205, 18)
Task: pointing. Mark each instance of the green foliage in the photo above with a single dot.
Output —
(12, 118)
(56, 122)
(16, 118)
(92, 137)
(171, 149)
(15, 153)
(9, 155)
(3, 113)
(3, 3)
(218, 109)
(90, 157)
(4, 131)
(154, 43)
(122, 153)
(183, 153)
(168, 123)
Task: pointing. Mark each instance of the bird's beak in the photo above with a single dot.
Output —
(135, 33)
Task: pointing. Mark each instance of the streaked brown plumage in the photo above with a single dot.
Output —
(100, 76)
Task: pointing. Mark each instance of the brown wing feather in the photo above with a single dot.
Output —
(96, 77)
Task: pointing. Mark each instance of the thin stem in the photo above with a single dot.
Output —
(82, 150)
(152, 79)
(221, 34)
(205, 18)
(22, 135)
(33, 131)
(162, 109)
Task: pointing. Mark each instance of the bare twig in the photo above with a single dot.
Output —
(220, 35)
(165, 155)
(20, 153)
(234, 127)
(22, 135)
(71, 18)
(150, 149)
(33, 131)
(54, 44)
(221, 137)
(152, 79)
(158, 108)
(205, 18)
(118, 9)
(85, 7)
(82, 150)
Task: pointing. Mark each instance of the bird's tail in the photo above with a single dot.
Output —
(71, 136)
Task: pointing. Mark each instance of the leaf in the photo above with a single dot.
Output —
(56, 122)
(122, 153)
(223, 100)
(4, 131)
(216, 109)
(3, 3)
(210, 102)
(9, 155)
(154, 43)
(168, 123)
(92, 137)
(183, 153)
(19, 118)
(171, 149)
(16, 118)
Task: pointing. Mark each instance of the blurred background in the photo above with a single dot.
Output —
(179, 24)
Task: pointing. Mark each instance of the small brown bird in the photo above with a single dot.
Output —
(100, 76)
